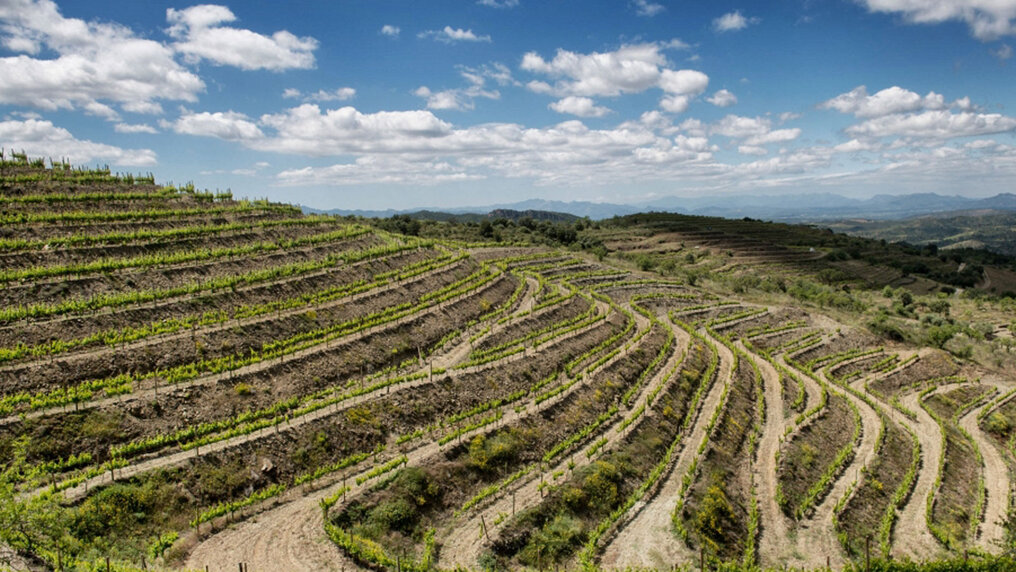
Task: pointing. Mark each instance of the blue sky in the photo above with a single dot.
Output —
(399, 104)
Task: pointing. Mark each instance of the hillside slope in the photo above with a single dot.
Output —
(191, 380)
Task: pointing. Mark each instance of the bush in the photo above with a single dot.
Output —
(556, 540)
(715, 515)
(998, 424)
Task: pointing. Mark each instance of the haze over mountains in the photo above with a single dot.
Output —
(789, 208)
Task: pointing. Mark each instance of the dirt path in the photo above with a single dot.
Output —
(911, 537)
(464, 540)
(774, 523)
(996, 479)
(288, 538)
(647, 540)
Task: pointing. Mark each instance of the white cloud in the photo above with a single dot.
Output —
(96, 64)
(449, 99)
(379, 169)
(751, 150)
(733, 21)
(451, 35)
(461, 99)
(568, 153)
(101, 110)
(675, 103)
(201, 36)
(580, 106)
(647, 8)
(629, 69)
(774, 136)
(498, 3)
(228, 125)
(134, 128)
(737, 127)
(854, 146)
(935, 125)
(43, 139)
(390, 31)
(1003, 52)
(886, 102)
(723, 98)
(988, 19)
(753, 131)
(683, 82)
(308, 130)
(340, 94)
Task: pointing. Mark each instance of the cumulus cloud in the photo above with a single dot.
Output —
(451, 35)
(936, 125)
(379, 169)
(461, 99)
(987, 19)
(404, 146)
(722, 98)
(201, 36)
(631, 68)
(675, 103)
(683, 82)
(886, 102)
(134, 128)
(1003, 52)
(733, 21)
(753, 131)
(580, 106)
(647, 8)
(41, 138)
(340, 94)
(228, 125)
(95, 64)
(390, 31)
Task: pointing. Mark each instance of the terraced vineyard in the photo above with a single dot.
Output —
(190, 380)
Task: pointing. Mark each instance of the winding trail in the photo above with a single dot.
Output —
(996, 478)
(911, 537)
(773, 523)
(647, 540)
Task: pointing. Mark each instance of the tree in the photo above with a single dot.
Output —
(35, 523)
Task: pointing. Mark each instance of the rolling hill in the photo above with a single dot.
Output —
(190, 380)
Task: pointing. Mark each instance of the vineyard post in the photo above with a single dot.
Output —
(867, 554)
(702, 558)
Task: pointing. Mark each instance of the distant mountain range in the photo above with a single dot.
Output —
(787, 208)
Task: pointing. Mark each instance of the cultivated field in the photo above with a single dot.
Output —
(191, 381)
